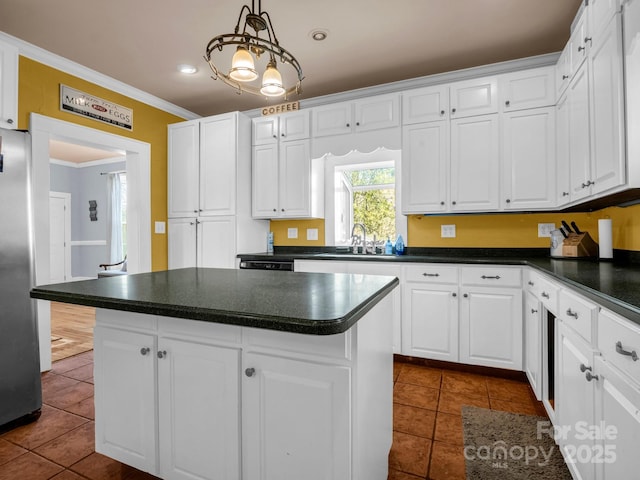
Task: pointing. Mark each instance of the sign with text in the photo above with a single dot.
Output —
(282, 108)
(86, 105)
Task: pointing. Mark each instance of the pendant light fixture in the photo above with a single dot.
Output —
(263, 41)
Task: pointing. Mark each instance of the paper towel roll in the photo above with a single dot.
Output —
(605, 238)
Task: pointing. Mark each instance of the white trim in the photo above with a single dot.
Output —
(88, 243)
(52, 60)
(67, 230)
(92, 163)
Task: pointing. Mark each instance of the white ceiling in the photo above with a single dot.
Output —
(370, 42)
(79, 153)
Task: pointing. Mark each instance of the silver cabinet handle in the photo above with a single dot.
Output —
(250, 372)
(162, 354)
(581, 48)
(622, 351)
(531, 284)
(441, 203)
(572, 314)
(588, 39)
(144, 350)
(584, 368)
(533, 310)
(508, 200)
(564, 77)
(589, 376)
(10, 121)
(454, 294)
(441, 112)
(348, 124)
(545, 295)
(589, 183)
(430, 274)
(488, 277)
(195, 211)
(465, 295)
(507, 103)
(565, 194)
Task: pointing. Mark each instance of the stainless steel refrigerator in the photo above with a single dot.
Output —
(20, 386)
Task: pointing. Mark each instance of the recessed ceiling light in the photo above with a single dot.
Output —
(187, 69)
(319, 35)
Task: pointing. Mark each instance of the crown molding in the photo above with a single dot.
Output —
(41, 55)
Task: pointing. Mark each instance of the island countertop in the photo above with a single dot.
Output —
(307, 303)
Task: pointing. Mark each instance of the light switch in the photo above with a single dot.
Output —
(160, 227)
(312, 234)
(447, 231)
(292, 233)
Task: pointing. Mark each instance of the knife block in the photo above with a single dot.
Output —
(579, 245)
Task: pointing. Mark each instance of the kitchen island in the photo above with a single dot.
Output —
(228, 374)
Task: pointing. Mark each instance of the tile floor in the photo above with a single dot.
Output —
(427, 441)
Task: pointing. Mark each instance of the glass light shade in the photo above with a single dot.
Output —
(272, 82)
(242, 66)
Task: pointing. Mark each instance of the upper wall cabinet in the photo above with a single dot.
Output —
(429, 104)
(527, 89)
(600, 14)
(183, 169)
(382, 111)
(577, 46)
(478, 96)
(8, 86)
(288, 126)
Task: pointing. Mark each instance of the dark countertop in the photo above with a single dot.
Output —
(309, 303)
(614, 285)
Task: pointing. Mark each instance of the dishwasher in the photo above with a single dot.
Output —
(278, 265)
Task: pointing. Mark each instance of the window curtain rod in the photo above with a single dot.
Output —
(113, 173)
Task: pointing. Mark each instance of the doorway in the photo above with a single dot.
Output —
(138, 158)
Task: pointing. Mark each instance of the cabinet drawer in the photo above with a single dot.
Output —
(431, 273)
(618, 340)
(544, 290)
(577, 313)
(199, 331)
(332, 346)
(492, 276)
(129, 320)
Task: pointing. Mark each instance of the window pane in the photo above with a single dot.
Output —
(373, 176)
(376, 210)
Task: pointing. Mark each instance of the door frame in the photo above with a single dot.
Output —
(67, 231)
(138, 158)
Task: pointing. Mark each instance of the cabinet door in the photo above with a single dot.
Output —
(430, 322)
(125, 397)
(334, 119)
(428, 104)
(618, 409)
(8, 86)
(563, 178)
(264, 181)
(563, 71)
(265, 130)
(294, 126)
(295, 179)
(282, 402)
(381, 111)
(607, 109)
(475, 163)
(491, 327)
(532, 342)
(473, 97)
(425, 160)
(183, 169)
(600, 13)
(218, 165)
(217, 242)
(199, 413)
(182, 242)
(579, 151)
(528, 159)
(527, 89)
(575, 401)
(577, 43)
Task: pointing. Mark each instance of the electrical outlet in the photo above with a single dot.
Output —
(292, 233)
(160, 227)
(544, 229)
(448, 231)
(312, 234)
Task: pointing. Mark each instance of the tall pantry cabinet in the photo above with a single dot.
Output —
(209, 180)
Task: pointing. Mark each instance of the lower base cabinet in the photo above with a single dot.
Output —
(184, 399)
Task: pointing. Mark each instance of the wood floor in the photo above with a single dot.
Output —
(71, 329)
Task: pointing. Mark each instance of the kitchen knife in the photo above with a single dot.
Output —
(575, 228)
(564, 234)
(566, 226)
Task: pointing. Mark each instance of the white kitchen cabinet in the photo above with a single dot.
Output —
(475, 164)
(8, 86)
(575, 401)
(617, 412)
(183, 169)
(532, 332)
(528, 159)
(378, 112)
(532, 88)
(208, 242)
(578, 43)
(563, 71)
(292, 407)
(430, 312)
(182, 242)
(429, 104)
(563, 176)
(579, 150)
(600, 14)
(478, 96)
(425, 167)
(198, 421)
(125, 396)
(317, 266)
(288, 126)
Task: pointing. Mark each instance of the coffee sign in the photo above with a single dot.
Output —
(282, 108)
(86, 105)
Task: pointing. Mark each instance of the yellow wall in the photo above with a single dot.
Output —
(494, 231)
(39, 92)
(280, 229)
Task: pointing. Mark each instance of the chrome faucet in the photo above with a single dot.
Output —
(364, 237)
